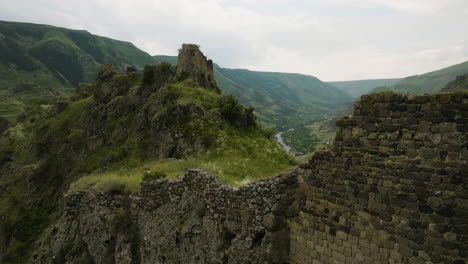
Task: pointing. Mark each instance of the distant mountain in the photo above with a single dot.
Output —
(360, 87)
(41, 57)
(140, 126)
(40, 61)
(281, 100)
(164, 58)
(460, 83)
(426, 83)
(284, 101)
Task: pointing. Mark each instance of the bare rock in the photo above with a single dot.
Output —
(192, 63)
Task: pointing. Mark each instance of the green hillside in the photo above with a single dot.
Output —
(10, 109)
(164, 58)
(459, 84)
(360, 87)
(45, 61)
(426, 83)
(38, 60)
(117, 132)
(282, 100)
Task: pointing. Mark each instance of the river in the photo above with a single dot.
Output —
(280, 140)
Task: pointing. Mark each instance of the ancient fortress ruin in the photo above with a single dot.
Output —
(390, 189)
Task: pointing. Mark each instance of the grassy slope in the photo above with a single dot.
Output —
(460, 83)
(427, 83)
(10, 109)
(47, 61)
(44, 155)
(281, 100)
(40, 60)
(360, 87)
(164, 58)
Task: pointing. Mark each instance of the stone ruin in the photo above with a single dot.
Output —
(392, 188)
(191, 62)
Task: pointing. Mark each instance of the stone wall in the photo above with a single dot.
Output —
(392, 188)
(192, 219)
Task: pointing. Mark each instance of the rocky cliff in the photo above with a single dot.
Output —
(193, 219)
(192, 62)
(118, 123)
(460, 83)
(390, 189)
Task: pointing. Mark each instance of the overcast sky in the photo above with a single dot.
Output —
(330, 39)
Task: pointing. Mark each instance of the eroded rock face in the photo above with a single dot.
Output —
(193, 219)
(84, 90)
(460, 83)
(192, 63)
(105, 72)
(154, 77)
(390, 189)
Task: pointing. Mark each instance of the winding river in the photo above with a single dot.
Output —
(280, 140)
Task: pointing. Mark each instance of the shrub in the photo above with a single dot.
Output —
(153, 176)
(114, 188)
(16, 251)
(250, 117)
(230, 108)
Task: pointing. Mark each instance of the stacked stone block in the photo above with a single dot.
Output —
(392, 188)
(191, 219)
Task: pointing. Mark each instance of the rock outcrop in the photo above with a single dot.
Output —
(121, 120)
(460, 83)
(390, 189)
(84, 90)
(192, 63)
(193, 219)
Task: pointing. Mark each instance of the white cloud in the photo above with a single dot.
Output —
(330, 39)
(411, 6)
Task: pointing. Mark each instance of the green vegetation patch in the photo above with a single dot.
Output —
(302, 140)
(237, 157)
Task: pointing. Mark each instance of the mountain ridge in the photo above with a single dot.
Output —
(429, 82)
(259, 89)
(46, 41)
(356, 88)
(118, 131)
(49, 61)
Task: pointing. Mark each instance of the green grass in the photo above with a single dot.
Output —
(426, 83)
(56, 59)
(239, 156)
(113, 145)
(10, 109)
(360, 87)
(188, 93)
(50, 61)
(302, 138)
(281, 100)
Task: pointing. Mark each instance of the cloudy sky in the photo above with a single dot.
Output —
(330, 39)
